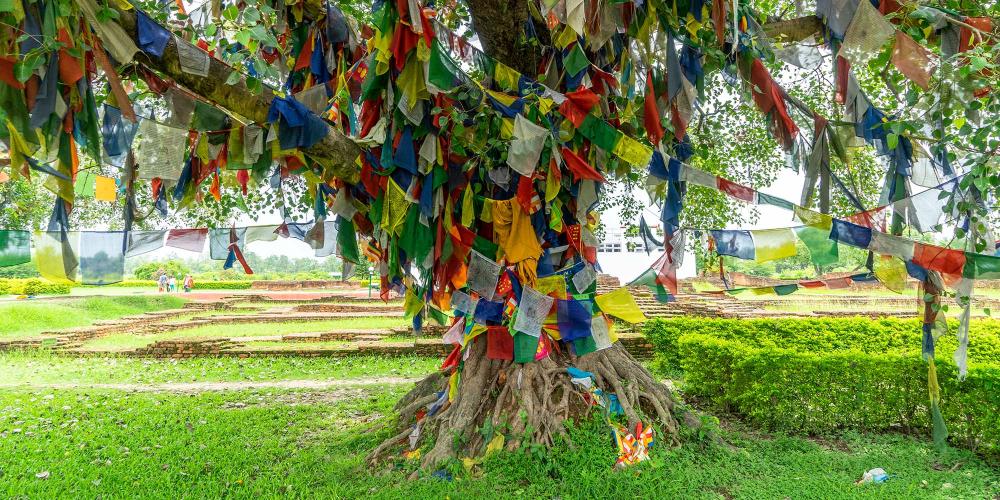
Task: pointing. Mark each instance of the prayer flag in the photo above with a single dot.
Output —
(15, 248)
(105, 189)
(935, 258)
(773, 244)
(102, 260)
(620, 304)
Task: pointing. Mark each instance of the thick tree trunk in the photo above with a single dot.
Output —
(336, 152)
(529, 403)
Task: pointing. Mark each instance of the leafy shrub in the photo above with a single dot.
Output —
(32, 286)
(198, 285)
(792, 391)
(886, 335)
(151, 270)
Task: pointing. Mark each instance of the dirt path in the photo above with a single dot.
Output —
(224, 386)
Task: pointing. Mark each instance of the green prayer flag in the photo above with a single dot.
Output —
(786, 289)
(525, 347)
(822, 250)
(15, 248)
(600, 132)
(774, 201)
(576, 61)
(583, 346)
(979, 266)
(441, 69)
(347, 242)
(206, 118)
(86, 184)
(417, 239)
(485, 247)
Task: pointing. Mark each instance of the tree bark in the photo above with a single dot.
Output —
(500, 27)
(336, 153)
(793, 30)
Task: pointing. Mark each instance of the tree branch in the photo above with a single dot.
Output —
(793, 30)
(336, 152)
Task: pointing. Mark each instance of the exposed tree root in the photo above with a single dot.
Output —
(529, 403)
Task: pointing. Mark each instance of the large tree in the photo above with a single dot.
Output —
(570, 94)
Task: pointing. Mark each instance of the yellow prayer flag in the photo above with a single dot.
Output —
(554, 286)
(105, 189)
(621, 305)
(468, 209)
(566, 37)
(632, 151)
(891, 272)
(773, 244)
(814, 219)
(476, 331)
(506, 76)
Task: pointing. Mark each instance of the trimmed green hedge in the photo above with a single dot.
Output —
(32, 286)
(788, 390)
(874, 336)
(198, 285)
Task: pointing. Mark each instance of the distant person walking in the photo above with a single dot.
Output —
(172, 284)
(188, 283)
(162, 281)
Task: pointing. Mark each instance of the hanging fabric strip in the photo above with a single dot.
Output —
(102, 260)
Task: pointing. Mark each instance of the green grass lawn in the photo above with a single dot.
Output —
(41, 368)
(312, 444)
(128, 341)
(26, 318)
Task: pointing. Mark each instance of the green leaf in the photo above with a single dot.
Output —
(891, 140)
(233, 78)
(211, 29)
(243, 37)
(232, 13)
(251, 15)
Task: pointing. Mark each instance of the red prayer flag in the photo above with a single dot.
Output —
(735, 190)
(769, 97)
(192, 240)
(578, 104)
(935, 258)
(651, 113)
(499, 343)
(838, 283)
(580, 168)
